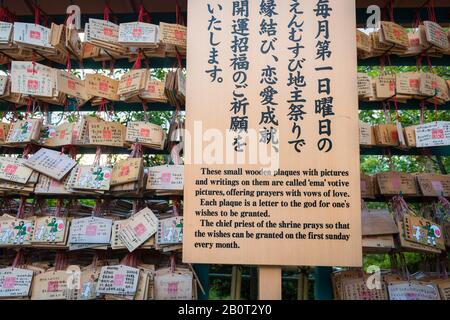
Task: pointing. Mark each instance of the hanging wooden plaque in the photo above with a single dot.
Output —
(15, 282)
(51, 163)
(118, 280)
(139, 227)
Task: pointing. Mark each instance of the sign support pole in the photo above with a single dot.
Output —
(269, 279)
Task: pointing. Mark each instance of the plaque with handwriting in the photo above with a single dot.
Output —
(14, 169)
(173, 34)
(15, 282)
(32, 34)
(126, 171)
(145, 133)
(433, 134)
(90, 230)
(166, 177)
(106, 134)
(99, 85)
(118, 280)
(138, 229)
(71, 85)
(51, 163)
(29, 79)
(50, 285)
(135, 33)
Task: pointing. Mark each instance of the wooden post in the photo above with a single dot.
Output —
(269, 283)
(236, 281)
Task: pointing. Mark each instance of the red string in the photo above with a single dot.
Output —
(141, 13)
(178, 58)
(18, 258)
(28, 109)
(137, 63)
(69, 64)
(58, 207)
(106, 10)
(37, 12)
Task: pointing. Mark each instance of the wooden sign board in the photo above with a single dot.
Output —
(436, 35)
(47, 185)
(173, 34)
(15, 282)
(118, 280)
(88, 284)
(24, 131)
(138, 229)
(395, 34)
(413, 291)
(51, 163)
(31, 34)
(244, 208)
(433, 134)
(366, 134)
(61, 135)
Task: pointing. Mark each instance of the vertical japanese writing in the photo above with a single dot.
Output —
(296, 80)
(214, 25)
(240, 64)
(324, 103)
(268, 31)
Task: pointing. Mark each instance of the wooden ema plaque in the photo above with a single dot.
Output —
(404, 290)
(173, 285)
(15, 232)
(102, 86)
(138, 229)
(433, 134)
(15, 282)
(51, 163)
(50, 229)
(106, 134)
(167, 177)
(71, 85)
(299, 204)
(434, 185)
(392, 183)
(126, 171)
(50, 285)
(423, 231)
(14, 170)
(118, 280)
(90, 230)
